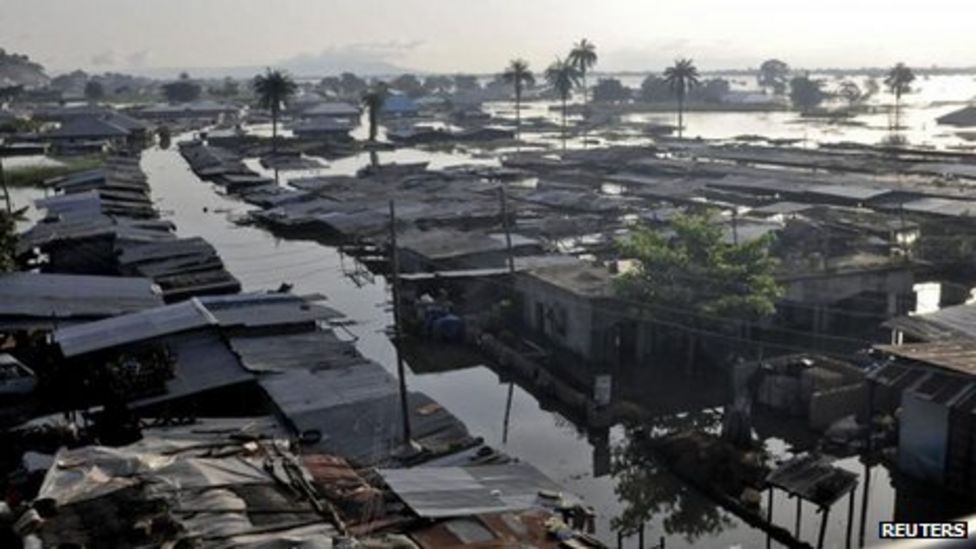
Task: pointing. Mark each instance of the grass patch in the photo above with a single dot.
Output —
(34, 176)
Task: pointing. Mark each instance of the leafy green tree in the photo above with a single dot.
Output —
(806, 93)
(693, 278)
(438, 83)
(773, 74)
(408, 84)
(466, 82)
(851, 92)
(681, 78)
(228, 88)
(8, 240)
(899, 82)
(273, 89)
(519, 76)
(183, 90)
(654, 89)
(610, 90)
(563, 76)
(352, 85)
(94, 91)
(373, 101)
(712, 90)
(331, 85)
(648, 489)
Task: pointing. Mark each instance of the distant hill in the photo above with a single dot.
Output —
(19, 70)
(303, 65)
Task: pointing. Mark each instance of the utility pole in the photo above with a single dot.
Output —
(398, 330)
(511, 271)
(735, 225)
(3, 187)
(508, 231)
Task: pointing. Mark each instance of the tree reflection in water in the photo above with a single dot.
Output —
(649, 489)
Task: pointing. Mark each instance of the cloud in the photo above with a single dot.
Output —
(103, 58)
(137, 58)
(362, 57)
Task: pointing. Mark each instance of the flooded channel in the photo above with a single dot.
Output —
(573, 455)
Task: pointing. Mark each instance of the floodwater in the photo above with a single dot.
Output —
(569, 453)
(931, 97)
(573, 455)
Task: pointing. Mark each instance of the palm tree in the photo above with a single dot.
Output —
(682, 77)
(583, 57)
(519, 75)
(899, 82)
(563, 76)
(373, 100)
(273, 89)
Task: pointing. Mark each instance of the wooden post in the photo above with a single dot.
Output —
(620, 539)
(864, 502)
(508, 231)
(398, 333)
(823, 526)
(735, 226)
(508, 411)
(850, 517)
(799, 515)
(769, 517)
(640, 537)
(511, 271)
(6, 191)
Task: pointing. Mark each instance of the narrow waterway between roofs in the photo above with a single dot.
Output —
(476, 395)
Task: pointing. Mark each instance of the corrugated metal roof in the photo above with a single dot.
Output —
(131, 328)
(357, 411)
(813, 479)
(300, 391)
(278, 353)
(255, 310)
(949, 323)
(202, 362)
(439, 492)
(850, 192)
(166, 249)
(945, 207)
(65, 296)
(958, 355)
(440, 244)
(82, 127)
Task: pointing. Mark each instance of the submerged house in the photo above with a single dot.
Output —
(964, 117)
(400, 105)
(90, 133)
(42, 302)
(571, 307)
(449, 249)
(203, 110)
(937, 419)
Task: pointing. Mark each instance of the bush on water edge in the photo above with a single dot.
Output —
(33, 176)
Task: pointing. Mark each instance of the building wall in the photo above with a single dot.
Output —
(826, 407)
(922, 438)
(824, 288)
(564, 319)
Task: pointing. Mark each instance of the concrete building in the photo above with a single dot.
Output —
(937, 422)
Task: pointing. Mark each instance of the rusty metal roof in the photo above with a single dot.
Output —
(957, 355)
(814, 479)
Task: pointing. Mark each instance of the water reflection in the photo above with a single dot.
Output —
(649, 492)
(599, 460)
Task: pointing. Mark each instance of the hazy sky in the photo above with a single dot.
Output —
(481, 35)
